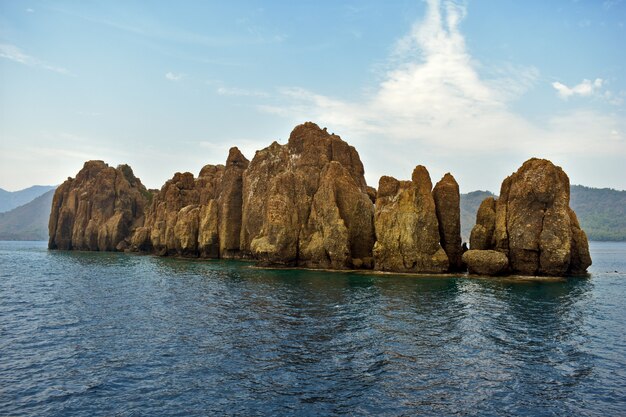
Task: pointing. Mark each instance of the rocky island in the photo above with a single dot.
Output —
(306, 204)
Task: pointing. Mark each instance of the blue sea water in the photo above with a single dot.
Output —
(110, 334)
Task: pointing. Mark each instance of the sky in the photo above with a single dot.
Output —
(471, 87)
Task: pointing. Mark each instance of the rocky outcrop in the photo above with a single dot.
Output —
(533, 225)
(230, 203)
(481, 237)
(306, 203)
(97, 210)
(407, 229)
(183, 217)
(448, 208)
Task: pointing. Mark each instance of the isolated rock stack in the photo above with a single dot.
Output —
(306, 203)
(530, 229)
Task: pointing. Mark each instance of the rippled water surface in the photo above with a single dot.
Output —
(105, 334)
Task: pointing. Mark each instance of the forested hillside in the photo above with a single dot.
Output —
(601, 212)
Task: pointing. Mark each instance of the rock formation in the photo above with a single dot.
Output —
(306, 203)
(448, 208)
(407, 229)
(482, 234)
(231, 203)
(533, 225)
(97, 210)
(197, 216)
(485, 262)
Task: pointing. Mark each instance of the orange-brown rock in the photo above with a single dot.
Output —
(481, 237)
(485, 262)
(231, 203)
(448, 208)
(98, 209)
(178, 220)
(407, 229)
(339, 233)
(306, 203)
(534, 226)
(300, 208)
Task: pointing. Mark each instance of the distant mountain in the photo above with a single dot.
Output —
(27, 222)
(12, 199)
(469, 206)
(601, 211)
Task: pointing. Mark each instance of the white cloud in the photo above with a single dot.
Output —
(15, 54)
(174, 77)
(433, 107)
(29, 10)
(584, 89)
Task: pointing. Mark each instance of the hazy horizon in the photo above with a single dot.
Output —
(472, 87)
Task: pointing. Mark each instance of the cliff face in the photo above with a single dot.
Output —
(448, 208)
(407, 229)
(532, 224)
(306, 203)
(98, 210)
(197, 216)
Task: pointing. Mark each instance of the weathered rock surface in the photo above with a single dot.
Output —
(183, 216)
(533, 224)
(306, 203)
(485, 262)
(448, 208)
(482, 233)
(98, 209)
(407, 229)
(231, 203)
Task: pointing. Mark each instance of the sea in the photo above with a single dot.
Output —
(116, 334)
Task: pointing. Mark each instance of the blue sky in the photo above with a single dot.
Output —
(468, 87)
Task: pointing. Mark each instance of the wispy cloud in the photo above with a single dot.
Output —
(240, 92)
(151, 28)
(29, 10)
(174, 76)
(585, 88)
(433, 100)
(15, 54)
(609, 4)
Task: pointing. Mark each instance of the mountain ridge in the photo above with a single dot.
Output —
(13, 199)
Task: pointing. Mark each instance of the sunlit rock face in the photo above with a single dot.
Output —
(533, 225)
(197, 216)
(407, 229)
(306, 203)
(97, 210)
